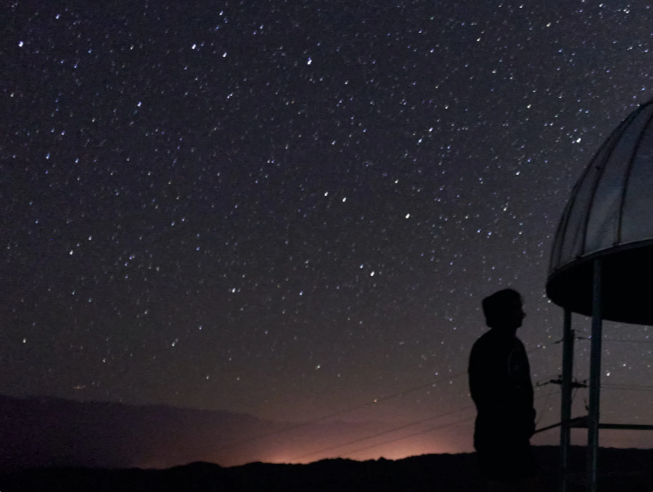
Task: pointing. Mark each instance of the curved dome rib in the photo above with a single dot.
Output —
(610, 215)
(629, 170)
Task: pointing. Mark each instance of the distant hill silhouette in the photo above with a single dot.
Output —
(59, 445)
(48, 431)
(428, 473)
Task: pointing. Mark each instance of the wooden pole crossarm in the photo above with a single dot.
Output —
(582, 422)
(626, 426)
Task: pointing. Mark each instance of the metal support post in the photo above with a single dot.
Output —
(595, 381)
(565, 413)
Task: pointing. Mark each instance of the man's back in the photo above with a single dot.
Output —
(500, 384)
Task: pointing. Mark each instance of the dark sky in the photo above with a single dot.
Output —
(291, 209)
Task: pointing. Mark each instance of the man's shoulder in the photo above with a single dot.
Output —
(487, 338)
(484, 344)
(519, 343)
(495, 342)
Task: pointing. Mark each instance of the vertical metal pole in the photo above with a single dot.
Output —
(595, 380)
(565, 412)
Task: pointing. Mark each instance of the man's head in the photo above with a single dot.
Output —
(503, 310)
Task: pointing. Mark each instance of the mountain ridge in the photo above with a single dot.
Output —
(50, 431)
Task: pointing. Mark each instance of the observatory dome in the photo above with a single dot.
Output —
(610, 216)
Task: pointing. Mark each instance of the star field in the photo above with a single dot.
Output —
(293, 208)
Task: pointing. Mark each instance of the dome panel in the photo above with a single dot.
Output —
(572, 245)
(603, 219)
(638, 200)
(610, 216)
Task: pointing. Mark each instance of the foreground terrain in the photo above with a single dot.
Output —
(443, 473)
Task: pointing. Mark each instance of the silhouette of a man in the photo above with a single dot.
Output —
(500, 384)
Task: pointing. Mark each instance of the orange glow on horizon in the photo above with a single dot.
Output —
(395, 451)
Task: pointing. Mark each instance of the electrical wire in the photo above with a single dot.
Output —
(337, 446)
(546, 404)
(626, 387)
(432, 429)
(336, 414)
(620, 340)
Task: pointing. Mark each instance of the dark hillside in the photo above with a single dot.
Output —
(432, 473)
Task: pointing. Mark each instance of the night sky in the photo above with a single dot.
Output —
(293, 208)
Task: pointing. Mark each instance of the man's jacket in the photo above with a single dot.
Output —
(500, 384)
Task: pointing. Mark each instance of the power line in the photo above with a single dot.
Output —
(432, 429)
(621, 340)
(403, 427)
(546, 403)
(382, 433)
(626, 387)
(341, 412)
